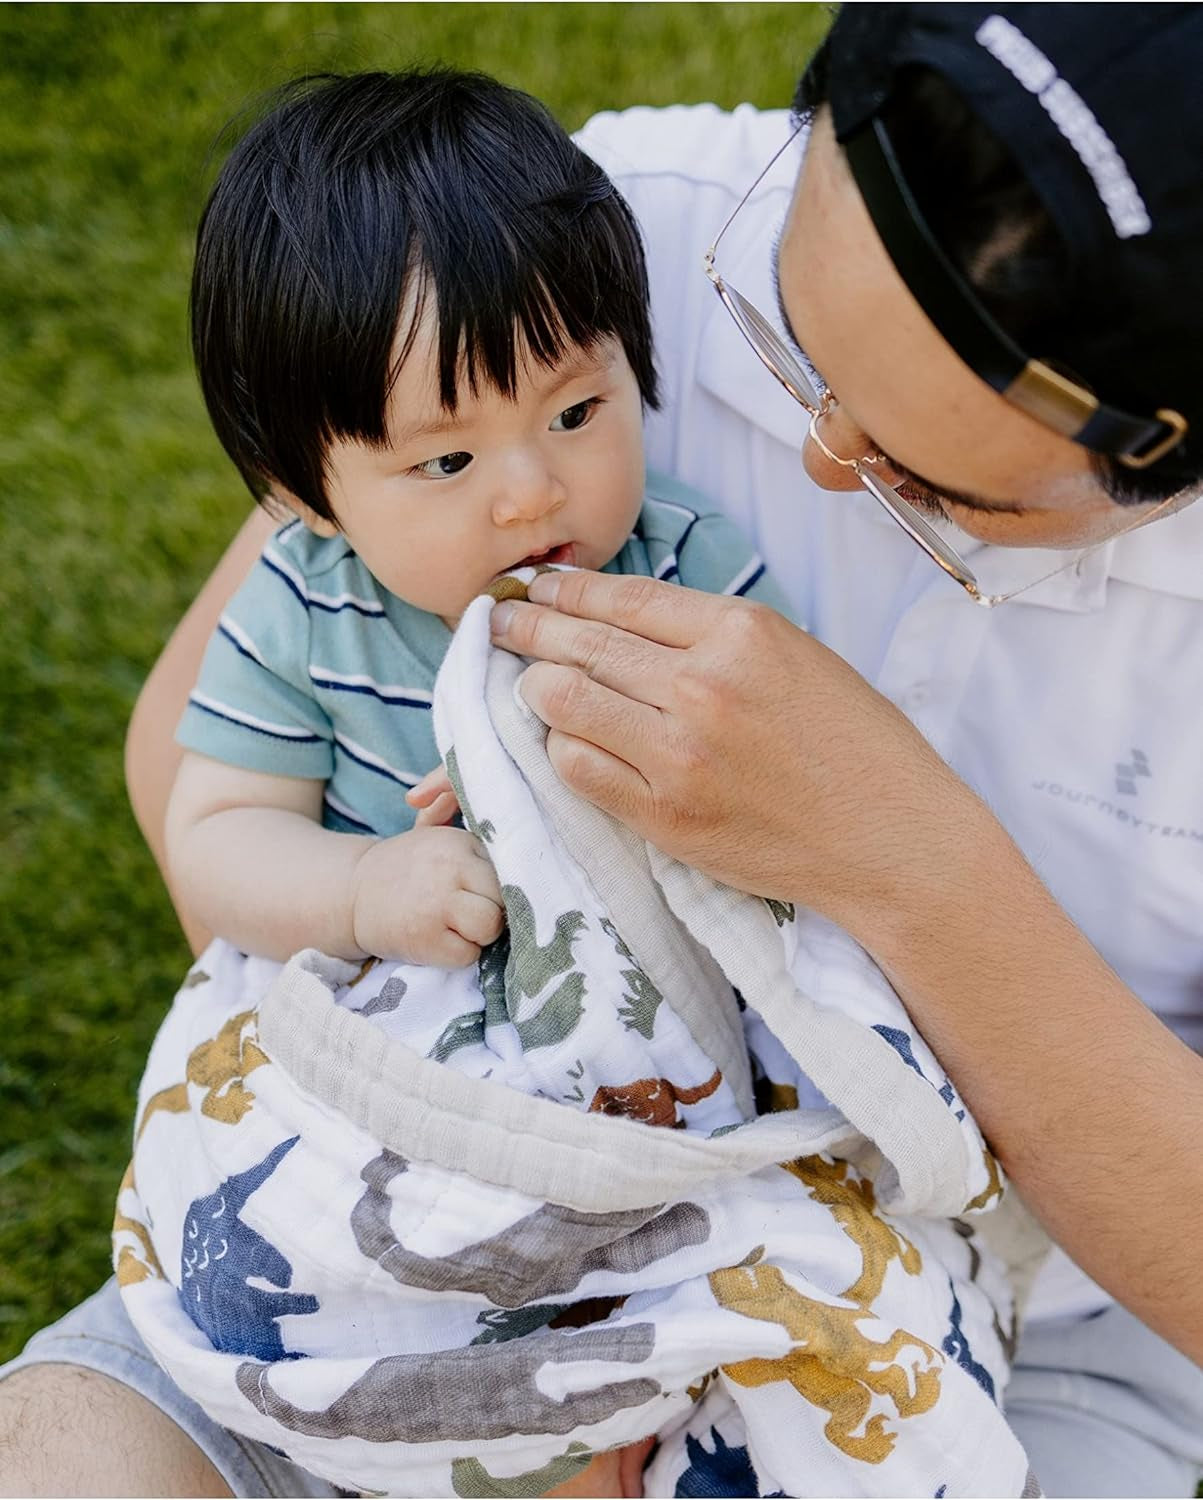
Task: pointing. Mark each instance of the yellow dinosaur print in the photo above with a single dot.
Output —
(836, 1367)
(131, 1267)
(219, 1067)
(993, 1188)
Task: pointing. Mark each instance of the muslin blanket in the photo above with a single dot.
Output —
(672, 1159)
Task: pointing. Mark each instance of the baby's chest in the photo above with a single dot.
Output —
(383, 745)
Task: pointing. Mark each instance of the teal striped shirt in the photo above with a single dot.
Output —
(317, 671)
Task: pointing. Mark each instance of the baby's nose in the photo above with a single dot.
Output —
(530, 491)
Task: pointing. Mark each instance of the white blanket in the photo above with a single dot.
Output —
(417, 1228)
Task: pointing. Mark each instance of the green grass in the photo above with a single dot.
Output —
(115, 499)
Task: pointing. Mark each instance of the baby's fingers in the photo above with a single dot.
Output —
(477, 918)
(434, 784)
(436, 813)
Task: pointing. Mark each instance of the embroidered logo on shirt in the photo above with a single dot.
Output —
(1125, 775)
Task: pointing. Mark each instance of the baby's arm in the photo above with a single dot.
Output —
(249, 858)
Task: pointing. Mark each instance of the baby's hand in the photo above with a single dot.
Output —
(435, 798)
(429, 896)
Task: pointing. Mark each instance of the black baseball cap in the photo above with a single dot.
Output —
(1101, 109)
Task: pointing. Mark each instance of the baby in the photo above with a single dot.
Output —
(420, 316)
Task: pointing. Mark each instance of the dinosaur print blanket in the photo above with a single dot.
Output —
(671, 1160)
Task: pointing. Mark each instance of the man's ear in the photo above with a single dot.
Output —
(282, 499)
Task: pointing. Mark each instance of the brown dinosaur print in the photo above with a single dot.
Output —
(652, 1100)
(835, 1366)
(219, 1067)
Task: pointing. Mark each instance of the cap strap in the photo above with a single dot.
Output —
(961, 320)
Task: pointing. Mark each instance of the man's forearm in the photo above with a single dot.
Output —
(1093, 1106)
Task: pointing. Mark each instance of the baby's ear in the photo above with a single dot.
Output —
(282, 500)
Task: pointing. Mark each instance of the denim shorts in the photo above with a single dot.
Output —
(1103, 1406)
(98, 1335)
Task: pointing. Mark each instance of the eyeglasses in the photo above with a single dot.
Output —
(781, 362)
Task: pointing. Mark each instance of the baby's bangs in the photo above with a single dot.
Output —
(502, 296)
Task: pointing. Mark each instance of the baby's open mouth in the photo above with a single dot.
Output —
(562, 556)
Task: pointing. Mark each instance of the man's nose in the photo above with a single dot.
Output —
(529, 490)
(844, 438)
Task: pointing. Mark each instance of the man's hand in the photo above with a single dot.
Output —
(429, 896)
(731, 739)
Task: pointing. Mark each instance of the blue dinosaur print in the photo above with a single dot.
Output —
(726, 1471)
(221, 1256)
(956, 1344)
(901, 1044)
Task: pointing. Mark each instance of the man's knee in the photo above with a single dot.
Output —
(65, 1430)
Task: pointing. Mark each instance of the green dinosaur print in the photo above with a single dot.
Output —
(783, 911)
(533, 965)
(469, 1477)
(616, 938)
(484, 831)
(490, 970)
(501, 1323)
(643, 999)
(462, 1031)
(557, 1018)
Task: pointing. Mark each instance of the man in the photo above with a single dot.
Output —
(961, 258)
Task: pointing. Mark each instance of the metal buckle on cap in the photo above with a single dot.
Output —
(1178, 426)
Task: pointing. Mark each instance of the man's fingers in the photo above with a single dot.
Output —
(566, 699)
(662, 612)
(639, 669)
(601, 778)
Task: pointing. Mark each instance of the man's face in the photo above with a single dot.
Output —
(957, 445)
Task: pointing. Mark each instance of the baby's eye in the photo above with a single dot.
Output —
(444, 466)
(576, 416)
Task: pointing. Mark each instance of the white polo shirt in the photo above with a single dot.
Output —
(1075, 711)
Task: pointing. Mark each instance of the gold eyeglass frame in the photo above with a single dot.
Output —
(780, 361)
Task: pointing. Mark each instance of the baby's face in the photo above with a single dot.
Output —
(555, 475)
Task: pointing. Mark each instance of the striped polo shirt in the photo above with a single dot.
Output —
(317, 671)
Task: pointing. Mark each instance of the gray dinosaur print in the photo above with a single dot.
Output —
(546, 1254)
(392, 992)
(471, 1395)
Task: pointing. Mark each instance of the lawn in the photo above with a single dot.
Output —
(116, 499)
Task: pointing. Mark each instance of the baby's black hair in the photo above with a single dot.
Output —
(355, 195)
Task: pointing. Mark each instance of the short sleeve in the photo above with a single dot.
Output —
(254, 705)
(691, 543)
